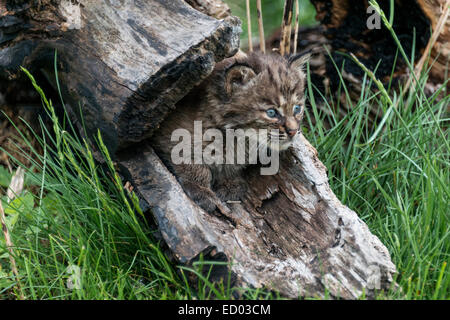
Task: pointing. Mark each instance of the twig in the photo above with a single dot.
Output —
(297, 14)
(249, 27)
(286, 28)
(262, 43)
(9, 246)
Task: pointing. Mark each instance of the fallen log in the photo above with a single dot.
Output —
(126, 64)
(291, 234)
(127, 67)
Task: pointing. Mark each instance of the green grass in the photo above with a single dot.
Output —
(81, 235)
(398, 184)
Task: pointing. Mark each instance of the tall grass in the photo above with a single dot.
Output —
(400, 190)
(82, 235)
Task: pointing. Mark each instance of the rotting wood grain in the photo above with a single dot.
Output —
(290, 234)
(126, 64)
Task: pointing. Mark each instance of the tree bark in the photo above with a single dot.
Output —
(290, 234)
(213, 8)
(126, 63)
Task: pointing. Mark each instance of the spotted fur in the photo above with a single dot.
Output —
(237, 95)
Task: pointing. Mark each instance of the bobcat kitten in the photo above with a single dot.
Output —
(253, 91)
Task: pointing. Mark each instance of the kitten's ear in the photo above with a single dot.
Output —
(299, 61)
(238, 75)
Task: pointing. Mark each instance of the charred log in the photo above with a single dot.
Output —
(125, 65)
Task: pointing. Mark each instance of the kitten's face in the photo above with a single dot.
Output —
(268, 94)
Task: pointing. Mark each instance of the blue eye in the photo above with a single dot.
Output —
(271, 113)
(296, 109)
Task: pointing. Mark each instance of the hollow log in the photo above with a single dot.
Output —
(290, 234)
(127, 64)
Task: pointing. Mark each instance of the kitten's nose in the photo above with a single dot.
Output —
(291, 132)
(291, 127)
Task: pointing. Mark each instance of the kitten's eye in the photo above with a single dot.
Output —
(296, 109)
(272, 113)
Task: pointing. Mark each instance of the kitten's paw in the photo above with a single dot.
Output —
(201, 195)
(206, 204)
(230, 191)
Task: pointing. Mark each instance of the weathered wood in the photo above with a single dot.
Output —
(291, 234)
(285, 45)
(213, 8)
(125, 62)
